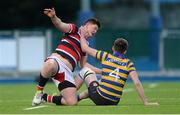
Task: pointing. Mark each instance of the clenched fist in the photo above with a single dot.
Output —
(50, 12)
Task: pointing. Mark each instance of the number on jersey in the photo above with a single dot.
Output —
(114, 74)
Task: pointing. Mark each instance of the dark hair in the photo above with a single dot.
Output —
(93, 21)
(120, 45)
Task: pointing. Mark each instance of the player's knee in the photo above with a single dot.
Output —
(51, 66)
(85, 72)
(71, 101)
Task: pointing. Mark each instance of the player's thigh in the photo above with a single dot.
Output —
(69, 95)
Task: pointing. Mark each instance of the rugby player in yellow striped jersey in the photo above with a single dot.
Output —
(115, 70)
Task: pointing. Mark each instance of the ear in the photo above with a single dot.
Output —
(113, 49)
(125, 52)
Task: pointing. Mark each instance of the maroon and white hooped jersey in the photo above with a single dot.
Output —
(69, 47)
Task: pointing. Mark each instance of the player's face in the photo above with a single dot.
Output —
(91, 29)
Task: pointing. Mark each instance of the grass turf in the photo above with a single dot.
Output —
(16, 98)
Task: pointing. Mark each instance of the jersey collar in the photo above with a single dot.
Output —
(119, 55)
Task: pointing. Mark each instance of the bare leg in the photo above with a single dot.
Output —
(89, 76)
(50, 67)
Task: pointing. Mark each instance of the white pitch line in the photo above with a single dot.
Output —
(37, 107)
(128, 90)
(153, 85)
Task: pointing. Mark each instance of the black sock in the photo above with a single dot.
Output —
(44, 97)
(57, 100)
(42, 82)
(52, 99)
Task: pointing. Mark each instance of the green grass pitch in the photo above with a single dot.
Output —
(16, 99)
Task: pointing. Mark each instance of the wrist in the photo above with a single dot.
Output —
(53, 16)
(145, 102)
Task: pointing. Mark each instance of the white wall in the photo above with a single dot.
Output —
(8, 53)
(31, 53)
(22, 53)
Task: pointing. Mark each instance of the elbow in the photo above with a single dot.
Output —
(99, 72)
(137, 84)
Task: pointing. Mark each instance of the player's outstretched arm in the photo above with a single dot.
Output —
(140, 89)
(51, 13)
(95, 69)
(83, 63)
(86, 48)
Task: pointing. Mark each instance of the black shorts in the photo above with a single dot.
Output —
(65, 84)
(96, 97)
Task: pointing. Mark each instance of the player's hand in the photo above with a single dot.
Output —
(50, 12)
(83, 32)
(151, 104)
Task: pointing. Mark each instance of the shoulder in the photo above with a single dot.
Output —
(102, 52)
(73, 28)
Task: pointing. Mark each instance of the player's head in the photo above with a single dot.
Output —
(120, 45)
(92, 25)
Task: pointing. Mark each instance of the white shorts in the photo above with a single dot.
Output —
(64, 73)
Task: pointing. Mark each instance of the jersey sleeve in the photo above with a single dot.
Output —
(101, 55)
(73, 28)
(130, 66)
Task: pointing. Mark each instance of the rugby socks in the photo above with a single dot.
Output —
(52, 99)
(57, 100)
(42, 83)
